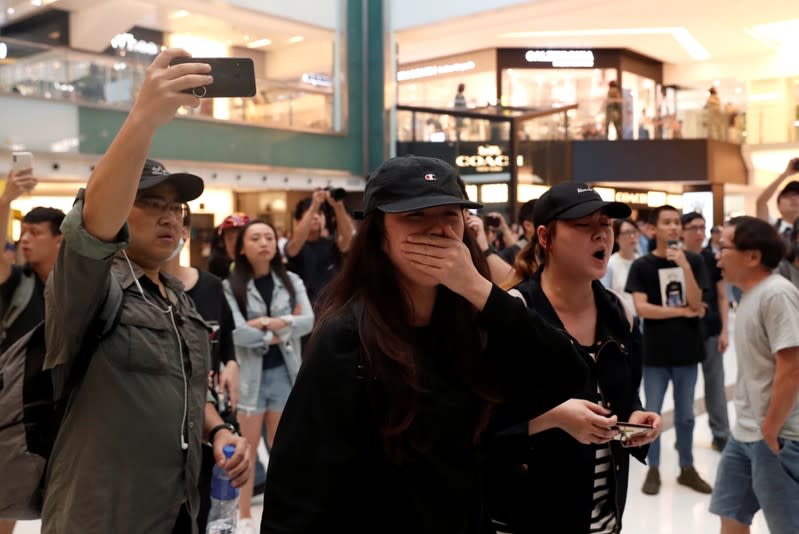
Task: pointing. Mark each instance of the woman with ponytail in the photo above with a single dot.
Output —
(566, 470)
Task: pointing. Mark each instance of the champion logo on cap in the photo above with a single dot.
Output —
(581, 190)
(430, 177)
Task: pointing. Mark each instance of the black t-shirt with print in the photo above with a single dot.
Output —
(33, 313)
(668, 342)
(209, 298)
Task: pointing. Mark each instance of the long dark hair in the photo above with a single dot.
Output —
(242, 271)
(368, 284)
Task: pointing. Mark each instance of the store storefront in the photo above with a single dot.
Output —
(534, 78)
(299, 73)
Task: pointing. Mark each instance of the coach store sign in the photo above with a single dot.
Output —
(489, 158)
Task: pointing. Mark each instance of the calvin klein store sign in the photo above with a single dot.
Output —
(561, 58)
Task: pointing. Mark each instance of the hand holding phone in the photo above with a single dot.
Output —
(233, 76)
(20, 179)
(627, 431)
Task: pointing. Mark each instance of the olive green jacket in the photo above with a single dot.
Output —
(118, 464)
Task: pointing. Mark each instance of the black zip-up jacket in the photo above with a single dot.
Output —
(544, 483)
(328, 471)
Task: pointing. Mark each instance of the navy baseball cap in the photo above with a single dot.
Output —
(188, 185)
(409, 183)
(573, 200)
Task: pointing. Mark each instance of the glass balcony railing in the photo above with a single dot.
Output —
(62, 74)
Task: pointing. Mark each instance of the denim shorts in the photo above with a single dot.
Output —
(751, 477)
(274, 390)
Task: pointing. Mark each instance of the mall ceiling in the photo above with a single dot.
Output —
(673, 31)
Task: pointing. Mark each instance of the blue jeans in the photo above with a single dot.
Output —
(715, 394)
(656, 380)
(751, 477)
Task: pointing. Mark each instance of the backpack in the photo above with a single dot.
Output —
(19, 301)
(33, 402)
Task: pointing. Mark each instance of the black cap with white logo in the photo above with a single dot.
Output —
(410, 183)
(573, 200)
(188, 186)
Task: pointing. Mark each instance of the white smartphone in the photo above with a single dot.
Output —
(21, 160)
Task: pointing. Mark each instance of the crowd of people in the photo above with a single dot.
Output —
(410, 367)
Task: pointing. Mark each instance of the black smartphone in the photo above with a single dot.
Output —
(493, 221)
(672, 243)
(233, 76)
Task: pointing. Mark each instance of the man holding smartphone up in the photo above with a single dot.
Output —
(127, 455)
(667, 286)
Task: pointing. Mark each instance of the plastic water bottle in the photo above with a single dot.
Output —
(224, 500)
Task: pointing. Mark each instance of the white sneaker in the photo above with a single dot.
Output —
(246, 526)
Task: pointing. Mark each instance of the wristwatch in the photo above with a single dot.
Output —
(217, 428)
(265, 323)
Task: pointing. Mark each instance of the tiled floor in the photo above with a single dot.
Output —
(676, 510)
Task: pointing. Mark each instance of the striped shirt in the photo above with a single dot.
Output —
(603, 512)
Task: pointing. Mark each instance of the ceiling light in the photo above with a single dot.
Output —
(259, 43)
(179, 14)
(680, 34)
(246, 37)
(296, 39)
(776, 34)
(36, 3)
(3, 50)
(11, 10)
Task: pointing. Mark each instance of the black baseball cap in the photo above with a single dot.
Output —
(790, 187)
(409, 183)
(188, 186)
(573, 200)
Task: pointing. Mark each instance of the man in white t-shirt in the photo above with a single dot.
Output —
(759, 468)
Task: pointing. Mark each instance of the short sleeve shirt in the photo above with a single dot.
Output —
(766, 321)
(668, 342)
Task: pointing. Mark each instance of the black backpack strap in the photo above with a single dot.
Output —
(103, 324)
(19, 301)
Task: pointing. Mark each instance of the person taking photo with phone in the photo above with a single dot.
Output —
(128, 452)
(22, 287)
(566, 470)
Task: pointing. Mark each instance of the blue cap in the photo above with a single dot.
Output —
(228, 450)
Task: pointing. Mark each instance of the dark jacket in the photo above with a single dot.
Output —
(328, 471)
(544, 482)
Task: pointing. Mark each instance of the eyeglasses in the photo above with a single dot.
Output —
(158, 206)
(695, 228)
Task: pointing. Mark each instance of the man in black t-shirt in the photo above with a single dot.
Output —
(311, 253)
(715, 330)
(40, 239)
(667, 286)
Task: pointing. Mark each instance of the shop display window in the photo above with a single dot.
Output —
(549, 88)
(300, 79)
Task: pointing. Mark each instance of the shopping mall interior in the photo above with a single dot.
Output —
(694, 104)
